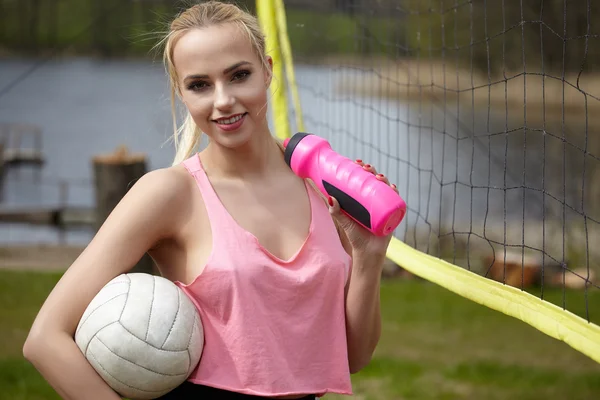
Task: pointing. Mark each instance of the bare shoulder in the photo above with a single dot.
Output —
(164, 190)
(164, 185)
(153, 210)
(175, 177)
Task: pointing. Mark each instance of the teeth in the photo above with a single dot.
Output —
(229, 121)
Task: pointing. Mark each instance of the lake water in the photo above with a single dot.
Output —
(449, 170)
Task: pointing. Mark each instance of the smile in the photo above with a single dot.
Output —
(230, 120)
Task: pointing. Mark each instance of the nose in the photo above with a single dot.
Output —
(224, 99)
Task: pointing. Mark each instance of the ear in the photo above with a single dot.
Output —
(269, 71)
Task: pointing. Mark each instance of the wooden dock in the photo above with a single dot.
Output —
(56, 216)
(13, 137)
(23, 156)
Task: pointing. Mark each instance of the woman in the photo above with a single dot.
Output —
(289, 303)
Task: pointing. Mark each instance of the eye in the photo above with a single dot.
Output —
(241, 75)
(196, 86)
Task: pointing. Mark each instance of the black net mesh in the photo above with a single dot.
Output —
(483, 113)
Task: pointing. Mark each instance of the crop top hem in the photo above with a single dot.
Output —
(318, 392)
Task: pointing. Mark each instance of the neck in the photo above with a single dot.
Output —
(254, 158)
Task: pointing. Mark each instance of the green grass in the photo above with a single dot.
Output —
(21, 295)
(435, 345)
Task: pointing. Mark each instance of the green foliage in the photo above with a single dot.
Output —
(314, 34)
(487, 35)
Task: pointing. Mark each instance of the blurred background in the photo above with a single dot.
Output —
(484, 113)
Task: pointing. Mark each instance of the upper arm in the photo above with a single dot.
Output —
(148, 212)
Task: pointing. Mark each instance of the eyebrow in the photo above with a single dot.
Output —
(225, 71)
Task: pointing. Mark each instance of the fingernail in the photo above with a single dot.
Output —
(380, 175)
(358, 160)
(367, 166)
(330, 200)
(394, 186)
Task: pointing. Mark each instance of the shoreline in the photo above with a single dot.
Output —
(540, 96)
(530, 96)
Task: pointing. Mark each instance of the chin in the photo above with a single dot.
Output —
(232, 139)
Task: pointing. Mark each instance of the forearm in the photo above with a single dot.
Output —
(61, 363)
(363, 316)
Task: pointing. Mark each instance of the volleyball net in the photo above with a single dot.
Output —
(485, 116)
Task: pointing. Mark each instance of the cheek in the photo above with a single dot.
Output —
(254, 98)
(198, 106)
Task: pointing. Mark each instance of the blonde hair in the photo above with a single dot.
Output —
(188, 136)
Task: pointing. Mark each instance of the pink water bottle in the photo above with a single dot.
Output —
(367, 200)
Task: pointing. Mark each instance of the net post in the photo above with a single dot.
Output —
(286, 53)
(265, 10)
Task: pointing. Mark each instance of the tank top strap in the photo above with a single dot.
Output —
(194, 167)
(217, 214)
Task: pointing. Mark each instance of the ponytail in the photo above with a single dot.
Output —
(187, 139)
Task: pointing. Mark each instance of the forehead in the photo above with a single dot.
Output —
(210, 50)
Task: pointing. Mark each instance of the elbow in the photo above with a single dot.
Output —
(34, 345)
(29, 348)
(361, 358)
(359, 364)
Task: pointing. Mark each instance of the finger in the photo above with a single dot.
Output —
(382, 178)
(335, 211)
(334, 206)
(370, 168)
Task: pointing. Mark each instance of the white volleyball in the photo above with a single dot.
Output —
(142, 334)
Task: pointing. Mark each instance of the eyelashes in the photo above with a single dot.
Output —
(241, 75)
(197, 86)
(238, 76)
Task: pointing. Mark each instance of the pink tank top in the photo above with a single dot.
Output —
(272, 327)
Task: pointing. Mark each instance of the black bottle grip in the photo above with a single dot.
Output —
(349, 204)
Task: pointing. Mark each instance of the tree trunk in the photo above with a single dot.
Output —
(114, 175)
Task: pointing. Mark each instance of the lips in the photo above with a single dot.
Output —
(230, 123)
(229, 120)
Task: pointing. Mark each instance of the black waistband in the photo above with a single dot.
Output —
(190, 391)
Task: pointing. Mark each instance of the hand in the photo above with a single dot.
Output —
(362, 240)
